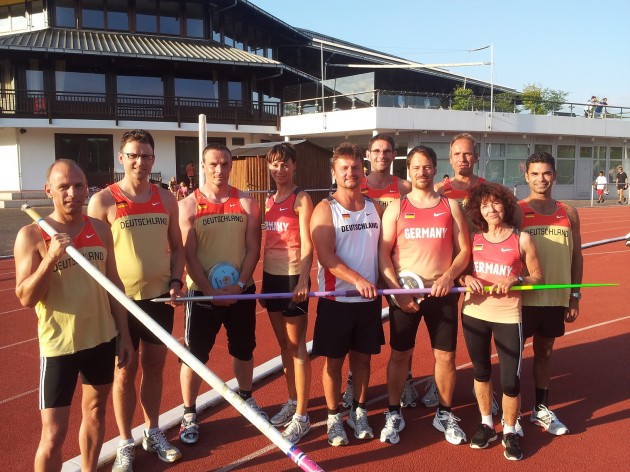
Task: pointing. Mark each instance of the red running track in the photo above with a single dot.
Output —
(591, 382)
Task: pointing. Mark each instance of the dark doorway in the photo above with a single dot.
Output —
(186, 150)
(93, 152)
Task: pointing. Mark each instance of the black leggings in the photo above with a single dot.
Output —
(508, 339)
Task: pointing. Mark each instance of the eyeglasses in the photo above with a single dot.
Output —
(384, 152)
(134, 157)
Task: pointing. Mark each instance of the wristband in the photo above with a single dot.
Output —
(179, 281)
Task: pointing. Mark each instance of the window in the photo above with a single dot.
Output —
(194, 20)
(228, 30)
(139, 85)
(64, 14)
(235, 91)
(93, 152)
(146, 19)
(542, 148)
(169, 18)
(38, 16)
(34, 79)
(117, 15)
(202, 89)
(69, 84)
(92, 14)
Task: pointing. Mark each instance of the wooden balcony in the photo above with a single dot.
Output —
(20, 104)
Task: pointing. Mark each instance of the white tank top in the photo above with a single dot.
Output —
(356, 244)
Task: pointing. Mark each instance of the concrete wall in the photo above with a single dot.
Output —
(9, 160)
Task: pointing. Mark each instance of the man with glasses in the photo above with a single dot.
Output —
(144, 220)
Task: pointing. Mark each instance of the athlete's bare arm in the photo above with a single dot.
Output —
(253, 236)
(304, 209)
(530, 257)
(577, 263)
(439, 187)
(102, 206)
(404, 187)
(178, 256)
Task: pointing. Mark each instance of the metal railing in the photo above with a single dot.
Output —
(502, 102)
(56, 105)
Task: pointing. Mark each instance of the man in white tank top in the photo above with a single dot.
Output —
(346, 229)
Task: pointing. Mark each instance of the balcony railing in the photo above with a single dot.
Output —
(504, 103)
(61, 105)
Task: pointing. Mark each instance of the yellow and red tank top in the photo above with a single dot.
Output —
(492, 262)
(141, 245)
(221, 230)
(460, 195)
(553, 237)
(75, 313)
(282, 241)
(424, 240)
(382, 196)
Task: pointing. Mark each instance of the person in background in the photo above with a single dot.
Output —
(601, 186)
(182, 191)
(288, 257)
(77, 321)
(499, 254)
(621, 180)
(190, 174)
(172, 186)
(589, 107)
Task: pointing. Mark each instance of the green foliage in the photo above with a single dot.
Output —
(505, 102)
(462, 99)
(541, 101)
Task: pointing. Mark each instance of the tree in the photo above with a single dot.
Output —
(463, 99)
(506, 102)
(541, 101)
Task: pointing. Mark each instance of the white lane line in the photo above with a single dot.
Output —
(211, 398)
(18, 343)
(13, 311)
(19, 395)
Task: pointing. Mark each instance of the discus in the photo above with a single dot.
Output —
(409, 280)
(223, 274)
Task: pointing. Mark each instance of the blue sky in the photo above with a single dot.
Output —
(579, 47)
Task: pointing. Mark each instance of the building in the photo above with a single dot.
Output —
(76, 74)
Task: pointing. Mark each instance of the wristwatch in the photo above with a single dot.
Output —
(241, 285)
(519, 280)
(576, 295)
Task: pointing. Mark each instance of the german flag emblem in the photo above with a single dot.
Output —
(201, 206)
(122, 205)
(478, 247)
(529, 214)
(410, 216)
(345, 216)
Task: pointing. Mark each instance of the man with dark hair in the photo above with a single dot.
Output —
(219, 224)
(77, 320)
(144, 221)
(555, 228)
(383, 188)
(345, 229)
(427, 234)
(622, 184)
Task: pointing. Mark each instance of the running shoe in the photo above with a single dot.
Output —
(348, 395)
(495, 404)
(430, 398)
(543, 416)
(512, 449)
(394, 424)
(283, 417)
(409, 397)
(189, 429)
(254, 406)
(483, 437)
(125, 455)
(517, 426)
(336, 433)
(358, 420)
(296, 429)
(446, 422)
(158, 443)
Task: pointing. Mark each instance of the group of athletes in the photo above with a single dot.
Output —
(463, 231)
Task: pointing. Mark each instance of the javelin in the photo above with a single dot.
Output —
(294, 453)
(355, 293)
(606, 241)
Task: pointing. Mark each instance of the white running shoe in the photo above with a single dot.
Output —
(348, 395)
(409, 397)
(446, 422)
(548, 420)
(125, 455)
(254, 406)
(158, 443)
(358, 420)
(495, 404)
(336, 433)
(189, 429)
(430, 398)
(394, 424)
(296, 429)
(283, 417)
(517, 426)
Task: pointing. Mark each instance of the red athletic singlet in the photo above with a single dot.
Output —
(282, 242)
(383, 196)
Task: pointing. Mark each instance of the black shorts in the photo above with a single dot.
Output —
(283, 284)
(440, 316)
(204, 320)
(163, 315)
(546, 321)
(508, 339)
(341, 327)
(58, 375)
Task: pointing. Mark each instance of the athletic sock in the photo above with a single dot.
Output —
(300, 418)
(124, 442)
(245, 394)
(332, 412)
(487, 420)
(509, 429)
(151, 431)
(394, 408)
(361, 405)
(190, 409)
(444, 408)
(355, 404)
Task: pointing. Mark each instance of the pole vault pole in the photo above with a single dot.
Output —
(294, 453)
(388, 291)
